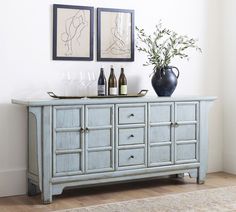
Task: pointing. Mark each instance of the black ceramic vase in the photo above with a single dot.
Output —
(164, 81)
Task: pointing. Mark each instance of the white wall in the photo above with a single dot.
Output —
(228, 72)
(28, 71)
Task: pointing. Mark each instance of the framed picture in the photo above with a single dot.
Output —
(115, 34)
(72, 32)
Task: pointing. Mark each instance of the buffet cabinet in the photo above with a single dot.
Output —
(87, 142)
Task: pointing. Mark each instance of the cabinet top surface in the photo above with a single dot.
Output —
(50, 101)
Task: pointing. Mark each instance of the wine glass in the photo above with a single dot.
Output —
(91, 81)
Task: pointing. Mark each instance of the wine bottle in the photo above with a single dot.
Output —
(122, 83)
(102, 84)
(112, 83)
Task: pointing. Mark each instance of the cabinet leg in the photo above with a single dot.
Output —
(201, 176)
(46, 197)
(32, 189)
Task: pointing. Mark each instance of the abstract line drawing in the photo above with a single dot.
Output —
(115, 34)
(73, 32)
(120, 39)
(74, 27)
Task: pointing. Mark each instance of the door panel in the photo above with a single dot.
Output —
(160, 113)
(99, 138)
(98, 116)
(160, 134)
(186, 132)
(99, 160)
(68, 117)
(186, 112)
(160, 155)
(68, 141)
(68, 163)
(186, 152)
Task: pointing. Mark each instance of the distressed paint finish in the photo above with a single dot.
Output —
(99, 141)
(47, 155)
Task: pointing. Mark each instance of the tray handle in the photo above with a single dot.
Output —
(53, 95)
(143, 92)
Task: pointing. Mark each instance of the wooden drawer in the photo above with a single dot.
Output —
(129, 136)
(131, 157)
(129, 114)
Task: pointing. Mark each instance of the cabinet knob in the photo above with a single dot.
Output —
(86, 129)
(81, 130)
(131, 136)
(131, 115)
(131, 156)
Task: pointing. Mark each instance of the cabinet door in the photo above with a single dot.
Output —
(161, 134)
(99, 138)
(68, 141)
(186, 132)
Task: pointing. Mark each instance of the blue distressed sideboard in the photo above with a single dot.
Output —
(82, 142)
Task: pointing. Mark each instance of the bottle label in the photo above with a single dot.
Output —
(123, 89)
(113, 91)
(101, 89)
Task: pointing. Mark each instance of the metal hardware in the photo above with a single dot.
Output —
(86, 129)
(131, 136)
(140, 94)
(131, 115)
(176, 124)
(82, 130)
(131, 156)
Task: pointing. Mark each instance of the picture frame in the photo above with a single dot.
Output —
(115, 34)
(73, 32)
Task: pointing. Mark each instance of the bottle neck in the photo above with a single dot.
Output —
(122, 71)
(112, 71)
(101, 72)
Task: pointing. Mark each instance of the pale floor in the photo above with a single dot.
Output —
(106, 194)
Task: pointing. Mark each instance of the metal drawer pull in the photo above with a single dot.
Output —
(131, 156)
(174, 124)
(131, 136)
(131, 115)
(81, 130)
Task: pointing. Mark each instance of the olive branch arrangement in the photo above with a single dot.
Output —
(164, 45)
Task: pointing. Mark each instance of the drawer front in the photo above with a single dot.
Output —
(131, 157)
(131, 114)
(131, 136)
